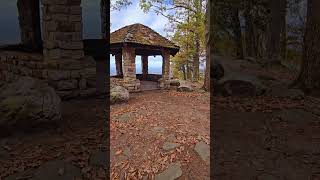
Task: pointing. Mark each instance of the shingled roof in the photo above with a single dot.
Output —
(140, 34)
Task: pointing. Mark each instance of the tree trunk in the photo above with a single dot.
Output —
(209, 45)
(275, 25)
(196, 59)
(283, 35)
(237, 32)
(249, 30)
(309, 77)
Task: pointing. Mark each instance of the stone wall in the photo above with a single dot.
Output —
(69, 79)
(62, 29)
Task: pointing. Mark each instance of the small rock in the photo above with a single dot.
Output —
(167, 146)
(158, 129)
(171, 138)
(123, 118)
(203, 150)
(173, 172)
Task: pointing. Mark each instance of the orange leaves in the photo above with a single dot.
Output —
(119, 152)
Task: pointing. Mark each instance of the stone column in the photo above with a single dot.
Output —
(164, 83)
(29, 21)
(129, 69)
(118, 59)
(144, 63)
(165, 64)
(62, 29)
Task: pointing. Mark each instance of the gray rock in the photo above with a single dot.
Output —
(184, 88)
(57, 170)
(173, 172)
(158, 129)
(174, 82)
(167, 146)
(238, 84)
(118, 94)
(171, 138)
(28, 102)
(99, 158)
(123, 118)
(203, 150)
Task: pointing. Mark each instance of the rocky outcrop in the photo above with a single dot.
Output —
(28, 102)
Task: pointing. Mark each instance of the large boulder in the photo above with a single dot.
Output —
(118, 94)
(28, 102)
(185, 88)
(238, 84)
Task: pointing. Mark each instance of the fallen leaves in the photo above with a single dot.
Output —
(172, 112)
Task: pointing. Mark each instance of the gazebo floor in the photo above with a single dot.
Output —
(148, 85)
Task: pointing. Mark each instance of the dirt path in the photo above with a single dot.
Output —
(159, 134)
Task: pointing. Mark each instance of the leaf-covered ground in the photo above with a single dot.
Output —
(81, 134)
(140, 129)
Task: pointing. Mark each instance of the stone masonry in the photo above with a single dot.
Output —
(129, 69)
(62, 64)
(163, 82)
(68, 80)
(62, 29)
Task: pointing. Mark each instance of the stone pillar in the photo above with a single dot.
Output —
(118, 59)
(164, 81)
(165, 64)
(129, 69)
(144, 62)
(62, 29)
(29, 21)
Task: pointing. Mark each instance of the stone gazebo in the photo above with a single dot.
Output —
(137, 39)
